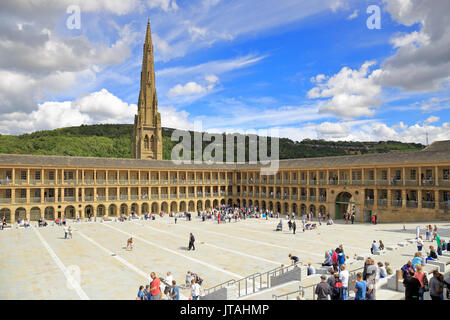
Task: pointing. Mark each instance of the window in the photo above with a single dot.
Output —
(371, 175)
(445, 174)
(23, 175)
(398, 174)
(23, 193)
(384, 175)
(412, 174)
(51, 175)
(37, 175)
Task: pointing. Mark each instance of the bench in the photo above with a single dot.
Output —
(440, 264)
(379, 253)
(401, 244)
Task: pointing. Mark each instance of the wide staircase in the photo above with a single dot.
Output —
(290, 282)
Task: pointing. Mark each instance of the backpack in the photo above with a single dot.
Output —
(337, 289)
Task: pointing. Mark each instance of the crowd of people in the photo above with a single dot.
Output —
(167, 287)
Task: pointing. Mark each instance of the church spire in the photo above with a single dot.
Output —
(147, 142)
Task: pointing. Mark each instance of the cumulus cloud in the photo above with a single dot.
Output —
(189, 88)
(352, 93)
(422, 62)
(97, 107)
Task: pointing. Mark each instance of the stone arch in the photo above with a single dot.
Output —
(244, 203)
(6, 213)
(155, 207)
(286, 208)
(215, 203)
(250, 203)
(230, 202)
(153, 143)
(263, 205)
(207, 204)
(69, 212)
(312, 208)
(294, 209)
(257, 203)
(112, 210)
(164, 207)
(89, 209)
(35, 214)
(20, 213)
(101, 210)
(344, 203)
(271, 206)
(124, 209)
(144, 208)
(182, 206)
(238, 202)
(222, 201)
(173, 207)
(135, 208)
(303, 208)
(191, 206)
(199, 205)
(322, 209)
(146, 143)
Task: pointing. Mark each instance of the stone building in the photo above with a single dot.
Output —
(397, 186)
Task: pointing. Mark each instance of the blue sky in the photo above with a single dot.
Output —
(302, 69)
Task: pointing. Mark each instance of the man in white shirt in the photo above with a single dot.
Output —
(343, 276)
(374, 247)
(311, 270)
(195, 290)
(419, 243)
(168, 283)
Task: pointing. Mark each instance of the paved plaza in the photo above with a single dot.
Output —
(36, 263)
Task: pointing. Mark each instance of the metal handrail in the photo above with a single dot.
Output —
(253, 278)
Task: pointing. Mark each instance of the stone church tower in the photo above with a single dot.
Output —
(147, 138)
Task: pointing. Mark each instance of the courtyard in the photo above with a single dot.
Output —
(36, 263)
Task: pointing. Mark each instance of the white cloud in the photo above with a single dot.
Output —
(189, 88)
(432, 119)
(352, 93)
(97, 107)
(354, 15)
(422, 62)
(165, 5)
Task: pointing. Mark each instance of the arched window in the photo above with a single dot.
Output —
(152, 143)
(146, 143)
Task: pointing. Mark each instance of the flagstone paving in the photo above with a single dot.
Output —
(36, 263)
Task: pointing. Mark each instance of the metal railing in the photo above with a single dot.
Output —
(253, 282)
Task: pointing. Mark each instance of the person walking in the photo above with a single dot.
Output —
(175, 291)
(437, 286)
(294, 226)
(344, 276)
(191, 242)
(323, 289)
(353, 218)
(66, 231)
(422, 277)
(69, 230)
